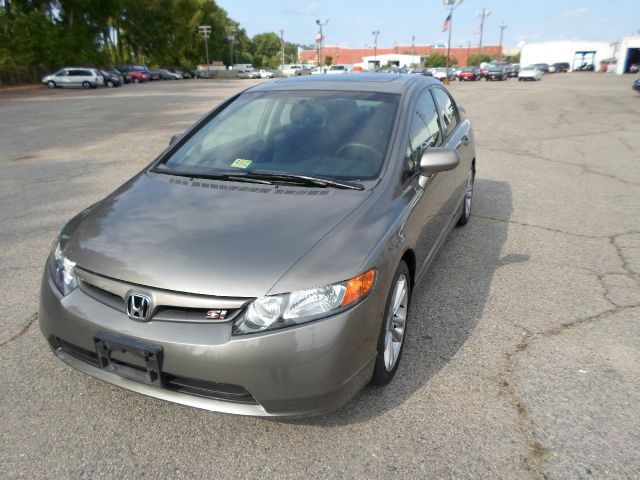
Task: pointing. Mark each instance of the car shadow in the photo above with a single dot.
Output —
(445, 309)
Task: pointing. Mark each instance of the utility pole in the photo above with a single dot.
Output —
(452, 4)
(231, 30)
(413, 44)
(375, 46)
(502, 26)
(483, 14)
(320, 24)
(205, 31)
(281, 48)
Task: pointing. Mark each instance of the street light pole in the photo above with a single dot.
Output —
(281, 49)
(483, 14)
(375, 46)
(502, 26)
(231, 30)
(205, 31)
(320, 24)
(452, 4)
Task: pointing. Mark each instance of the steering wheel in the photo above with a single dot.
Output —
(363, 146)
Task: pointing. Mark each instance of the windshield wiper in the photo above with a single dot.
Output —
(303, 179)
(233, 177)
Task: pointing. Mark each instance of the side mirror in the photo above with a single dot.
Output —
(176, 138)
(437, 160)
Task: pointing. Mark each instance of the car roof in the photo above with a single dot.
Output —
(357, 82)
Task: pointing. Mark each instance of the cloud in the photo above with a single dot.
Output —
(577, 12)
(302, 8)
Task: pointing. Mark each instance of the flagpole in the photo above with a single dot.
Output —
(446, 69)
(451, 4)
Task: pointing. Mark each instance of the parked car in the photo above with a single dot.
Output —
(137, 73)
(265, 73)
(496, 72)
(291, 69)
(586, 67)
(422, 71)
(543, 67)
(484, 71)
(333, 69)
(111, 79)
(319, 71)
(126, 78)
(530, 72)
(561, 67)
(441, 73)
(514, 70)
(274, 271)
(154, 75)
(247, 73)
(636, 85)
(468, 74)
(74, 77)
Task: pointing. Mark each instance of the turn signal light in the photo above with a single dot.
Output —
(358, 287)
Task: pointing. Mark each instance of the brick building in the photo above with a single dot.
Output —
(347, 56)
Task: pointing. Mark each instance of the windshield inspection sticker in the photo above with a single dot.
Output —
(241, 163)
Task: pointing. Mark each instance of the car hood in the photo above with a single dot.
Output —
(205, 237)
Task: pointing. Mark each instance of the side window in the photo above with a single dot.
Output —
(62, 73)
(424, 132)
(448, 109)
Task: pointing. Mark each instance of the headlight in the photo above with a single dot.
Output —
(62, 271)
(277, 311)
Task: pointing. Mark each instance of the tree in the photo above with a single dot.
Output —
(328, 60)
(476, 59)
(435, 60)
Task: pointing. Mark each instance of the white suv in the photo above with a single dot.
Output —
(74, 77)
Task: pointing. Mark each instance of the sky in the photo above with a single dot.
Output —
(351, 22)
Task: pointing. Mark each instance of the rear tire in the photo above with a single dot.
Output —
(86, 84)
(135, 80)
(394, 327)
(109, 84)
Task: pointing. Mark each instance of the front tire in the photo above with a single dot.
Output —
(51, 84)
(110, 84)
(467, 202)
(392, 334)
(135, 80)
(86, 84)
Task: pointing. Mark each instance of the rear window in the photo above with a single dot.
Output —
(342, 135)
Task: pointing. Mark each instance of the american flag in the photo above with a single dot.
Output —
(447, 23)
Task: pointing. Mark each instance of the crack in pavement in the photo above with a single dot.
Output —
(586, 169)
(24, 330)
(542, 227)
(537, 451)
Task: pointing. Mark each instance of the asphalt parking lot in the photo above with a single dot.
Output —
(523, 355)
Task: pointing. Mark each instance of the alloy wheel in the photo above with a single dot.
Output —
(396, 321)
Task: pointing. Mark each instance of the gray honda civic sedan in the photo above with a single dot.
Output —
(263, 264)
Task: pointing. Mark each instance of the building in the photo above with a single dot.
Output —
(350, 56)
(575, 52)
(626, 53)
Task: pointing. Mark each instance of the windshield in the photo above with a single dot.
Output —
(333, 134)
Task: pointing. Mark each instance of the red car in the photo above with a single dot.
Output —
(468, 74)
(138, 76)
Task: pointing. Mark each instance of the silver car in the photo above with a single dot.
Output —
(263, 264)
(74, 77)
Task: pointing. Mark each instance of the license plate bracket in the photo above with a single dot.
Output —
(143, 359)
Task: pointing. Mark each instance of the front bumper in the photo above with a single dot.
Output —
(307, 369)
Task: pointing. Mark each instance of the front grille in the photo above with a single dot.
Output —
(190, 386)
